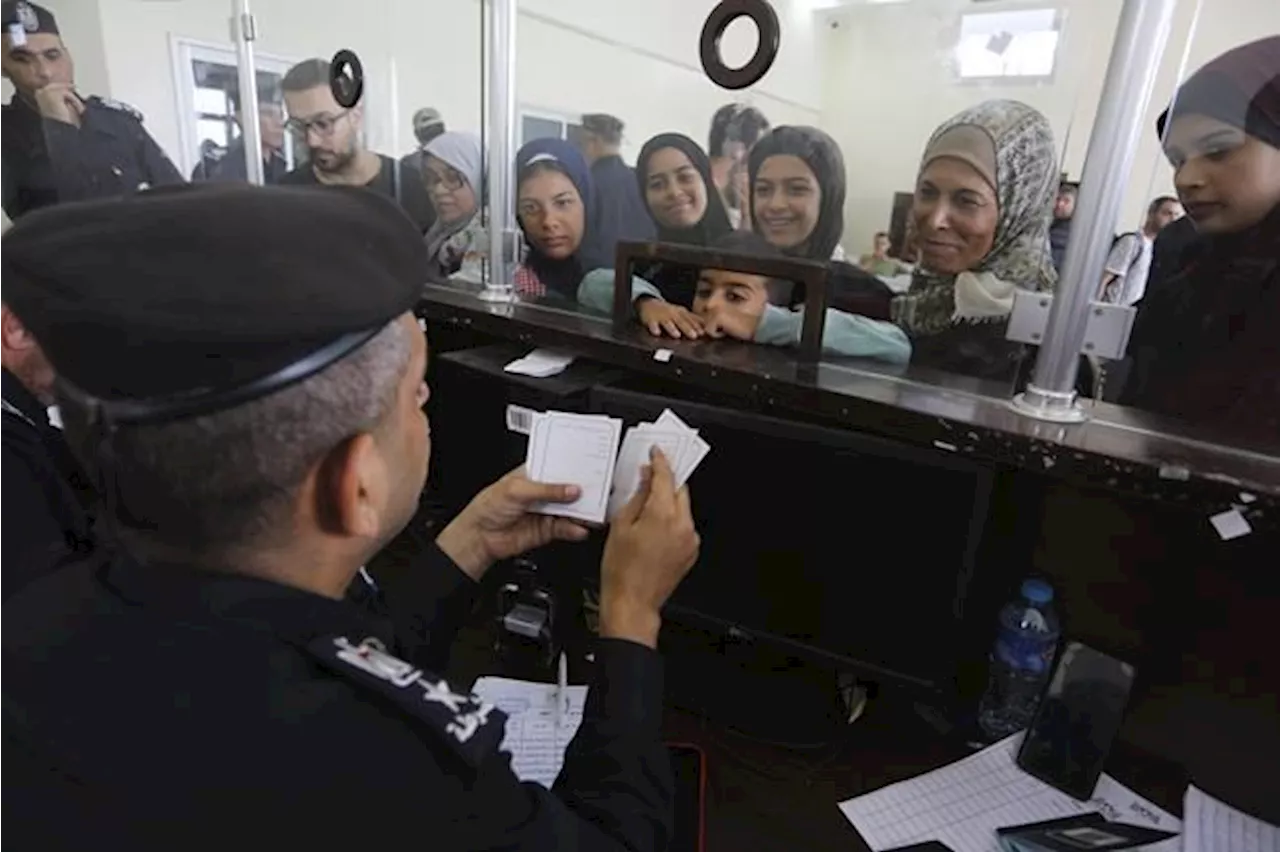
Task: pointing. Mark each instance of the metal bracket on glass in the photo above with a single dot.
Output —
(768, 37)
(1106, 336)
(346, 78)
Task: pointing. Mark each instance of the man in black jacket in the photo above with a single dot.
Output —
(46, 494)
(620, 212)
(261, 435)
(60, 145)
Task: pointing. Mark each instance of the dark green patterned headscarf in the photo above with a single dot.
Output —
(1026, 183)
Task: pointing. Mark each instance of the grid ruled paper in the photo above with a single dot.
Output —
(963, 804)
(1213, 826)
(536, 745)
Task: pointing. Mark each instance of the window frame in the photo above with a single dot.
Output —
(183, 52)
(1060, 25)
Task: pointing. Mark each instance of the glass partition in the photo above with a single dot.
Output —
(625, 137)
(1203, 353)
(152, 94)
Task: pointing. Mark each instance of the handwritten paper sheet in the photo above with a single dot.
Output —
(963, 804)
(536, 746)
(1213, 826)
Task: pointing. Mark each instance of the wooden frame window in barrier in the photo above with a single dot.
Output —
(810, 275)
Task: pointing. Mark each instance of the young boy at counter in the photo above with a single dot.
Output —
(744, 306)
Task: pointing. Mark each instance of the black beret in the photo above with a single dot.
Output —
(28, 17)
(209, 293)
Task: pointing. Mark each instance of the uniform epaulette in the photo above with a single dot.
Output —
(120, 106)
(470, 726)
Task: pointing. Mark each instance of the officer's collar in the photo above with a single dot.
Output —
(182, 591)
(16, 394)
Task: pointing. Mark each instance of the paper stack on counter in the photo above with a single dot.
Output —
(589, 450)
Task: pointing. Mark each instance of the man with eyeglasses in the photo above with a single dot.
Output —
(60, 144)
(336, 155)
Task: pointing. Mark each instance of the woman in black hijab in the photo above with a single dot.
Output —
(675, 182)
(797, 204)
(1205, 347)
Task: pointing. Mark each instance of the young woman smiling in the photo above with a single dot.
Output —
(675, 181)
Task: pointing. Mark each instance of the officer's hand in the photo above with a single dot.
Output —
(497, 523)
(651, 547)
(60, 102)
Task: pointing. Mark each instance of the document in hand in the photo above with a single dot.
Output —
(583, 450)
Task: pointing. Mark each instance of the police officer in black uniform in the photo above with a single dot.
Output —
(57, 144)
(258, 435)
(47, 495)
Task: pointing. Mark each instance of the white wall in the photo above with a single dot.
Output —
(432, 50)
(637, 60)
(886, 85)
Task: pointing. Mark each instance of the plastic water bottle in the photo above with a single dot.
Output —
(1021, 661)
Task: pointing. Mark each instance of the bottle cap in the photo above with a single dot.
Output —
(1037, 591)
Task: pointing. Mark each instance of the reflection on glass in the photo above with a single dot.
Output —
(619, 213)
(986, 184)
(1204, 345)
(61, 142)
(1017, 43)
(735, 129)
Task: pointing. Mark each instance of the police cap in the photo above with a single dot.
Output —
(185, 300)
(27, 17)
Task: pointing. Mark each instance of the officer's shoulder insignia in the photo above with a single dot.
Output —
(470, 726)
(121, 106)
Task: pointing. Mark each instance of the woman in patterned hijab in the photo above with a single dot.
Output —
(983, 203)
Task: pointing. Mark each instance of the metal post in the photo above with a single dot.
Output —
(502, 149)
(243, 33)
(1121, 119)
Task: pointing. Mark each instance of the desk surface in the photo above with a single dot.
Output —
(763, 796)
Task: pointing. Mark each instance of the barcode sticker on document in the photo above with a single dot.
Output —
(520, 419)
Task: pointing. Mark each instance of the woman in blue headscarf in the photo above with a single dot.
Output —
(553, 206)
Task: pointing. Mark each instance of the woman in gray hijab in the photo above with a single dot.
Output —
(453, 171)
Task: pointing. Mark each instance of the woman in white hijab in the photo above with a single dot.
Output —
(453, 171)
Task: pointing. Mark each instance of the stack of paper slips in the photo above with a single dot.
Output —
(588, 450)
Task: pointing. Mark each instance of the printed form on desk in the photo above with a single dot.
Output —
(1213, 826)
(963, 804)
(536, 746)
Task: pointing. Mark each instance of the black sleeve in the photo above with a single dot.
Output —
(617, 773)
(412, 194)
(616, 790)
(33, 537)
(68, 162)
(158, 168)
(428, 601)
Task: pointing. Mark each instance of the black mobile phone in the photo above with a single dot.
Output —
(689, 764)
(1078, 718)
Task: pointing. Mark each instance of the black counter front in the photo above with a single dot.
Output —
(1120, 449)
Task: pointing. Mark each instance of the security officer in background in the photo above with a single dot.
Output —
(47, 496)
(259, 434)
(58, 145)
